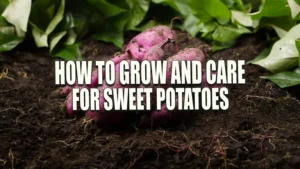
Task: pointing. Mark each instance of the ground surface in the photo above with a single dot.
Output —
(260, 130)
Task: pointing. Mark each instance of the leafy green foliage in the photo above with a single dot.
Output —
(137, 12)
(61, 23)
(285, 79)
(283, 57)
(205, 10)
(273, 8)
(106, 8)
(11, 34)
(295, 7)
(68, 52)
(284, 53)
(298, 48)
(58, 24)
(112, 32)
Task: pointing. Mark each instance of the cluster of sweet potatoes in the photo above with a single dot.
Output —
(154, 44)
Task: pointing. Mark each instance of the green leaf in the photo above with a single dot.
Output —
(42, 12)
(3, 5)
(206, 10)
(145, 26)
(284, 53)
(68, 52)
(6, 27)
(106, 8)
(295, 8)
(228, 33)
(273, 8)
(66, 23)
(229, 3)
(40, 36)
(9, 30)
(242, 18)
(180, 6)
(280, 32)
(56, 38)
(253, 5)
(216, 46)
(113, 30)
(17, 13)
(262, 55)
(9, 41)
(284, 22)
(240, 5)
(71, 37)
(79, 15)
(138, 10)
(297, 42)
(190, 25)
(8, 36)
(57, 18)
(285, 79)
(206, 28)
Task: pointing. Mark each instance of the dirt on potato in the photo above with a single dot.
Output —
(260, 130)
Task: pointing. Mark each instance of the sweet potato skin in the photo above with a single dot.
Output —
(141, 43)
(188, 54)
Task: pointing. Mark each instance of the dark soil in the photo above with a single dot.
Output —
(260, 130)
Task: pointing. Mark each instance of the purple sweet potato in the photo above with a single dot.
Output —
(155, 118)
(205, 83)
(117, 84)
(117, 59)
(159, 117)
(66, 90)
(103, 117)
(69, 102)
(188, 54)
(106, 119)
(161, 51)
(141, 43)
(94, 81)
(161, 38)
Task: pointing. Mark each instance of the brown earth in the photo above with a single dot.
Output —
(260, 130)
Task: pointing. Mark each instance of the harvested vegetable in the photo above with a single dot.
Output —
(155, 44)
(140, 44)
(187, 54)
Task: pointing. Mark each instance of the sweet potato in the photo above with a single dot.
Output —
(106, 119)
(66, 90)
(117, 84)
(205, 83)
(141, 43)
(159, 117)
(161, 38)
(161, 51)
(69, 102)
(188, 54)
(154, 44)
